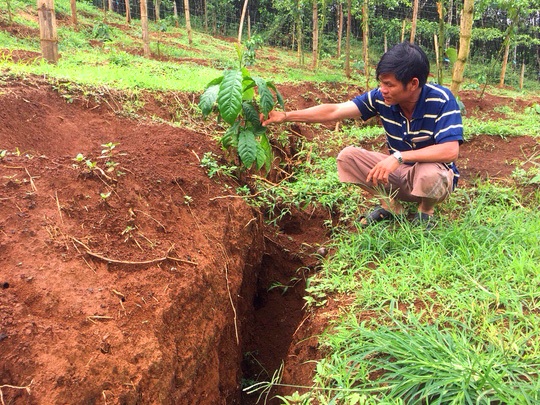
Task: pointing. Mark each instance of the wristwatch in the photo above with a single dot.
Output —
(397, 155)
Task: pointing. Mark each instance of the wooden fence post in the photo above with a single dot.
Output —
(47, 30)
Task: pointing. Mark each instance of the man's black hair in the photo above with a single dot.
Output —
(406, 61)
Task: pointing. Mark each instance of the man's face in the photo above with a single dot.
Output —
(394, 92)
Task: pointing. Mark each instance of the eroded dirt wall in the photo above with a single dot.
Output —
(120, 281)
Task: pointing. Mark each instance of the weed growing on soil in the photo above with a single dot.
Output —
(447, 315)
(313, 182)
(515, 125)
(209, 161)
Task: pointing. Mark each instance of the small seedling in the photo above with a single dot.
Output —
(90, 165)
(108, 148)
(238, 98)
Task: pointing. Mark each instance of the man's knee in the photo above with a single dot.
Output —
(348, 153)
(350, 165)
(434, 185)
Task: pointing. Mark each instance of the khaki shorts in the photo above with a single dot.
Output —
(409, 182)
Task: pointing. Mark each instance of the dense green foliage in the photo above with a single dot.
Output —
(240, 99)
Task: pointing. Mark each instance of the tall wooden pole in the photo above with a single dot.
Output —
(365, 39)
(339, 29)
(144, 26)
(128, 12)
(241, 26)
(414, 19)
(188, 22)
(348, 41)
(315, 50)
(73, 13)
(47, 30)
(465, 36)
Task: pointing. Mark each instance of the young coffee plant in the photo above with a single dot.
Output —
(238, 98)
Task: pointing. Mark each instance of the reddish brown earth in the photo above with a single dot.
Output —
(148, 284)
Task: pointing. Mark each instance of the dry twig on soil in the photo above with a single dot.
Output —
(143, 262)
(26, 388)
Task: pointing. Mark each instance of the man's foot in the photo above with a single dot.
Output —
(377, 215)
(424, 220)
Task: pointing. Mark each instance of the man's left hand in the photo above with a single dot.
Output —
(381, 171)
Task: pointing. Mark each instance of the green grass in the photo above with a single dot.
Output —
(448, 316)
(517, 124)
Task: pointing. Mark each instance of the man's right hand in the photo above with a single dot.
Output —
(274, 117)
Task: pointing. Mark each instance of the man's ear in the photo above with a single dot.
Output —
(415, 83)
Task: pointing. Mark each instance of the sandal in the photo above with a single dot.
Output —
(425, 220)
(377, 215)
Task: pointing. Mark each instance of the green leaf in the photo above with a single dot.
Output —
(230, 96)
(251, 115)
(215, 81)
(452, 54)
(266, 99)
(230, 137)
(248, 92)
(264, 153)
(208, 99)
(278, 94)
(247, 148)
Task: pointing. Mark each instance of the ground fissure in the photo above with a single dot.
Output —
(131, 277)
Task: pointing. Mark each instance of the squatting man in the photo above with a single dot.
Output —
(423, 129)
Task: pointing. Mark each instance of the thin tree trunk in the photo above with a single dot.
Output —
(128, 12)
(414, 19)
(241, 26)
(144, 26)
(507, 41)
(315, 52)
(299, 35)
(348, 41)
(522, 76)
(450, 18)
(365, 40)
(73, 13)
(340, 29)
(504, 63)
(403, 25)
(188, 21)
(439, 44)
(205, 17)
(157, 7)
(175, 12)
(437, 58)
(464, 45)
(111, 5)
(47, 30)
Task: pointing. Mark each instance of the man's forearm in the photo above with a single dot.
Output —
(444, 153)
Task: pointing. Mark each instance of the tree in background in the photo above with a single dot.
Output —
(188, 21)
(348, 41)
(467, 18)
(315, 47)
(365, 39)
(414, 20)
(144, 26)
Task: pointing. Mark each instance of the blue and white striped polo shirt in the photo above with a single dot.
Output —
(436, 119)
